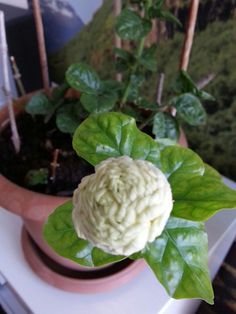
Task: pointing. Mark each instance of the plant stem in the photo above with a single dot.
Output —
(132, 72)
(136, 64)
(160, 88)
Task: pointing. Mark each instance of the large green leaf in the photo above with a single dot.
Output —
(165, 126)
(189, 108)
(178, 258)
(197, 188)
(130, 26)
(39, 104)
(179, 163)
(113, 134)
(60, 234)
(83, 78)
(202, 196)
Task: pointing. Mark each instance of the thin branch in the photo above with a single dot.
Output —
(41, 44)
(206, 80)
(7, 87)
(17, 76)
(54, 164)
(160, 88)
(188, 41)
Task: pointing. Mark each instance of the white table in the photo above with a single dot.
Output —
(143, 295)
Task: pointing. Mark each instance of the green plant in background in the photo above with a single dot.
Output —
(97, 95)
(213, 52)
(178, 256)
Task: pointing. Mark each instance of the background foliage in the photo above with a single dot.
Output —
(213, 52)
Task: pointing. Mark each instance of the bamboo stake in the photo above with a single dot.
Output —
(188, 41)
(17, 76)
(118, 42)
(160, 88)
(54, 164)
(206, 80)
(41, 44)
(6, 84)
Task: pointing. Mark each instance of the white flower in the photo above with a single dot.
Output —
(122, 206)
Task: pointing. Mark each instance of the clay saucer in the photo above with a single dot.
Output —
(83, 281)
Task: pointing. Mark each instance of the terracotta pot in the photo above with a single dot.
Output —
(34, 208)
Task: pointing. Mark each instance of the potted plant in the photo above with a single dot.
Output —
(64, 109)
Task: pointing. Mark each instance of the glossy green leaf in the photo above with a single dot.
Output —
(136, 81)
(83, 78)
(189, 108)
(148, 58)
(123, 54)
(99, 103)
(130, 26)
(102, 258)
(201, 197)
(178, 258)
(111, 87)
(183, 83)
(205, 96)
(178, 163)
(211, 172)
(113, 134)
(165, 126)
(60, 234)
(168, 17)
(158, 4)
(39, 104)
(68, 117)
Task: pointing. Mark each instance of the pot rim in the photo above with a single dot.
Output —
(12, 195)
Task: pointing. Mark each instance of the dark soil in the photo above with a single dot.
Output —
(39, 142)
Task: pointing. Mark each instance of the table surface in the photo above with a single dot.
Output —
(143, 295)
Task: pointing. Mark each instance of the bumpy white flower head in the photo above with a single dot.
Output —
(122, 206)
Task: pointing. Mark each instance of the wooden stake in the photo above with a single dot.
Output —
(17, 76)
(41, 44)
(188, 41)
(54, 164)
(6, 84)
(160, 88)
(118, 42)
(206, 80)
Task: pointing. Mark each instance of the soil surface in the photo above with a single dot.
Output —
(39, 143)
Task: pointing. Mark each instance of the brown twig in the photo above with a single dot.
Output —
(17, 76)
(6, 82)
(188, 41)
(160, 88)
(206, 80)
(117, 39)
(54, 164)
(41, 44)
